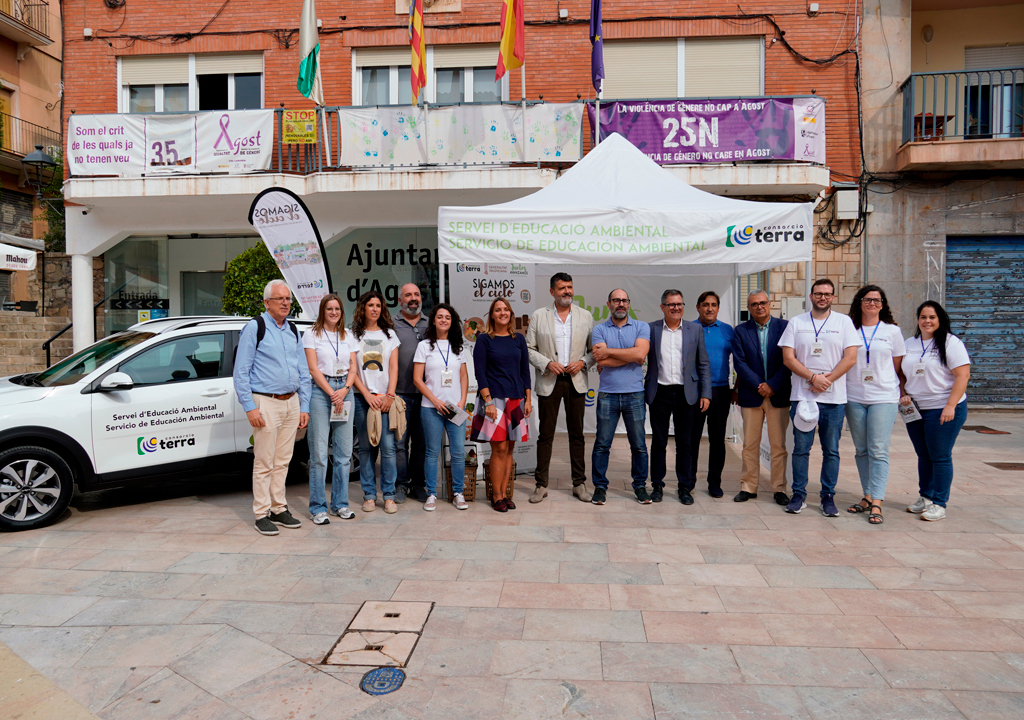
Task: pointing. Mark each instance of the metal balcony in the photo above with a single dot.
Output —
(27, 22)
(963, 105)
(20, 137)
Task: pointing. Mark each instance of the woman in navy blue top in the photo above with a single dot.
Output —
(502, 366)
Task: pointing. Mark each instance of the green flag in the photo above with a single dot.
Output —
(309, 83)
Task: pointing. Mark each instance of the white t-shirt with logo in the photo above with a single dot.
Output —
(434, 371)
(372, 358)
(331, 350)
(929, 382)
(876, 383)
(835, 333)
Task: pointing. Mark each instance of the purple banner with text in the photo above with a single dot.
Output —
(719, 130)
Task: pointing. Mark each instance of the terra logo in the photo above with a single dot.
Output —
(147, 445)
(314, 284)
(463, 267)
(740, 236)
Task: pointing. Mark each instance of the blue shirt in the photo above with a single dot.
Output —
(718, 342)
(502, 365)
(762, 337)
(277, 367)
(630, 377)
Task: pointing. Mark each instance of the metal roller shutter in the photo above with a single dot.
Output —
(154, 70)
(723, 67)
(224, 64)
(641, 69)
(460, 56)
(985, 302)
(383, 56)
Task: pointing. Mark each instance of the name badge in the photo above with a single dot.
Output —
(919, 369)
(867, 375)
(339, 416)
(446, 378)
(817, 349)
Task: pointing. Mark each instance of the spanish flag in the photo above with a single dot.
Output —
(419, 49)
(512, 49)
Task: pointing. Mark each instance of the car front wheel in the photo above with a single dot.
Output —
(36, 485)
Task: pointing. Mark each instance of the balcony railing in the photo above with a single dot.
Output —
(963, 105)
(21, 137)
(33, 13)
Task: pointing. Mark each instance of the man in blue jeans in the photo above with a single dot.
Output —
(818, 347)
(620, 345)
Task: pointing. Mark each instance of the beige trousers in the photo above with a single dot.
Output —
(272, 446)
(778, 421)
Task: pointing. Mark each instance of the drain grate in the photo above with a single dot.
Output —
(382, 634)
(984, 430)
(1007, 465)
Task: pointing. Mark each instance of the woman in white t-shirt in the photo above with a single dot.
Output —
(935, 374)
(873, 395)
(376, 379)
(331, 354)
(439, 373)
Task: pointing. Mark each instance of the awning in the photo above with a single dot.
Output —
(22, 242)
(15, 258)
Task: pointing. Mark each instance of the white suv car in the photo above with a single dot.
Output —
(156, 399)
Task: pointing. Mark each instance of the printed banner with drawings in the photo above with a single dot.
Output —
(291, 235)
(137, 145)
(470, 134)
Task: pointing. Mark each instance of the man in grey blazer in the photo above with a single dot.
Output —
(559, 343)
(678, 381)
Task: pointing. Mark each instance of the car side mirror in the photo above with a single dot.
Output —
(117, 381)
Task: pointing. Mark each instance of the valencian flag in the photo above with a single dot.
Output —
(309, 83)
(597, 40)
(512, 49)
(419, 49)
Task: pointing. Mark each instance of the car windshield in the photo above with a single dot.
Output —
(72, 369)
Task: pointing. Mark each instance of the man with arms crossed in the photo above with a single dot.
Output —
(762, 387)
(272, 384)
(819, 347)
(558, 339)
(620, 346)
(410, 454)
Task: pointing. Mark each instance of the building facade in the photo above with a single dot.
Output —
(169, 237)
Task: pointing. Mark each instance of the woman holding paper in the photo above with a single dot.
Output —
(502, 365)
(439, 373)
(331, 354)
(873, 395)
(935, 373)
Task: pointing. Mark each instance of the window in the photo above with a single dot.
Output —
(684, 67)
(183, 83)
(187, 358)
(748, 284)
(459, 73)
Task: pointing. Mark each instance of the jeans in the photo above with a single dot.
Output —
(575, 407)
(717, 418)
(934, 445)
(388, 467)
(871, 429)
(434, 429)
(670, 403)
(830, 426)
(630, 406)
(409, 450)
(340, 433)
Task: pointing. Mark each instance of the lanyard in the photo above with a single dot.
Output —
(443, 356)
(335, 346)
(819, 329)
(867, 343)
(925, 349)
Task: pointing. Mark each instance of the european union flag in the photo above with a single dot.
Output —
(597, 41)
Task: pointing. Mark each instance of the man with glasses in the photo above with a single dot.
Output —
(718, 343)
(272, 384)
(762, 388)
(678, 380)
(620, 345)
(818, 347)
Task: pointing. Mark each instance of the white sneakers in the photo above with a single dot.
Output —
(344, 513)
(919, 506)
(460, 502)
(321, 519)
(934, 512)
(431, 504)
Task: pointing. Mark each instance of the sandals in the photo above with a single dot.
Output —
(859, 507)
(875, 517)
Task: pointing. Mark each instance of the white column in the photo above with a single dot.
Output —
(82, 301)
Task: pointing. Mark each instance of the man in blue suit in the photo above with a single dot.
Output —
(678, 380)
(763, 385)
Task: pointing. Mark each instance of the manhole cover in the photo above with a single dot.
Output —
(382, 681)
(984, 430)
(1007, 466)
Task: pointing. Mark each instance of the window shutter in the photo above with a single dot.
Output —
(641, 70)
(723, 67)
(985, 58)
(225, 64)
(462, 56)
(383, 56)
(154, 70)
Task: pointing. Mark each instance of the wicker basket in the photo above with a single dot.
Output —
(468, 484)
(511, 480)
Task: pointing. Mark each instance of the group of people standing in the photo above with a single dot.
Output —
(411, 381)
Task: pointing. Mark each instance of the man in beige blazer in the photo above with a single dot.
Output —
(559, 343)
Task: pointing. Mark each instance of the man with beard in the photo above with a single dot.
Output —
(620, 346)
(410, 324)
(558, 339)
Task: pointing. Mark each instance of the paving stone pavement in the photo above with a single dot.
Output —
(171, 606)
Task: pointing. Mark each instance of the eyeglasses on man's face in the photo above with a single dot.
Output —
(286, 298)
(674, 306)
(619, 301)
(871, 301)
(821, 296)
(763, 303)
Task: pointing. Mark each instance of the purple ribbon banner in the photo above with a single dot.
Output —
(719, 130)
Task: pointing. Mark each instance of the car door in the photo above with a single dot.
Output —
(181, 407)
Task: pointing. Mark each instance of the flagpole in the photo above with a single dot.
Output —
(597, 116)
(322, 112)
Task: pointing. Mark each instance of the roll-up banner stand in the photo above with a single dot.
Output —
(291, 236)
